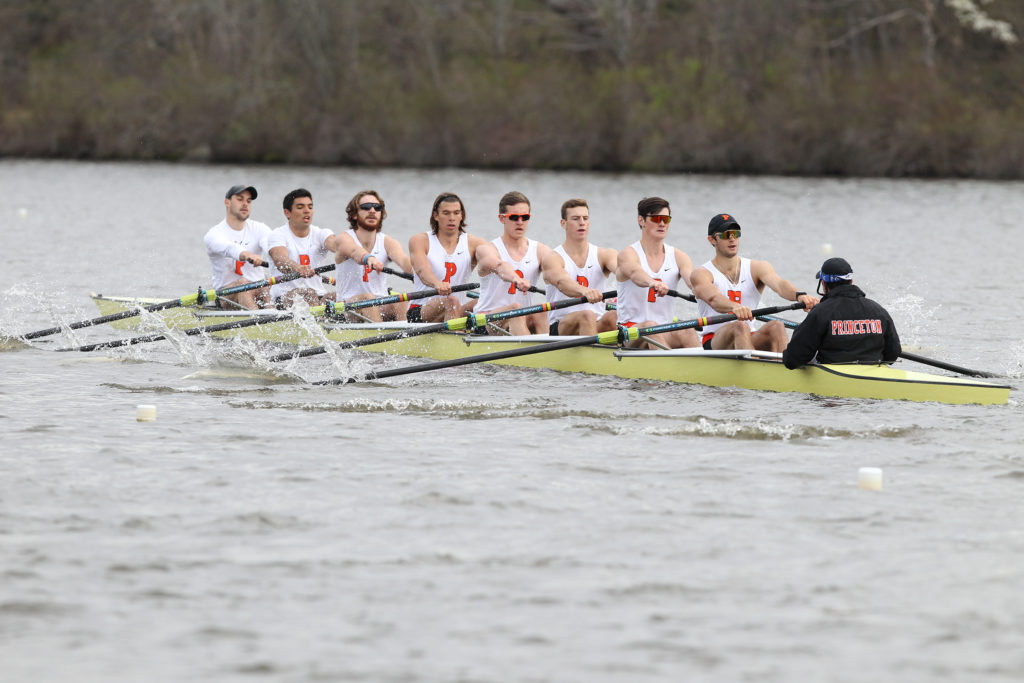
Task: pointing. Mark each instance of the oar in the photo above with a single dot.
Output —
(620, 335)
(907, 355)
(688, 297)
(329, 308)
(397, 273)
(453, 325)
(199, 297)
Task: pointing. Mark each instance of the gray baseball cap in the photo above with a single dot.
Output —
(238, 189)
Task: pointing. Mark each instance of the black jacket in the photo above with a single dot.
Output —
(845, 327)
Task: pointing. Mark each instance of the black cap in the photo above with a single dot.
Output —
(835, 270)
(238, 189)
(722, 222)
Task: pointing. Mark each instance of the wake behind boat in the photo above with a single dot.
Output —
(756, 370)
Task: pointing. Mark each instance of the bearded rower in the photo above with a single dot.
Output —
(363, 251)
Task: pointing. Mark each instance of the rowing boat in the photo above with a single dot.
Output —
(757, 370)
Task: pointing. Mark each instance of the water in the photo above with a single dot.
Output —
(495, 524)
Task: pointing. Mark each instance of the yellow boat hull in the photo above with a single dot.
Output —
(749, 370)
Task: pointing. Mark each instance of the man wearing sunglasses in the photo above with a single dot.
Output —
(731, 284)
(524, 255)
(646, 271)
(363, 250)
(846, 327)
(577, 268)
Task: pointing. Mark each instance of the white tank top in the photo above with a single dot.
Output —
(637, 304)
(590, 275)
(496, 293)
(353, 279)
(743, 292)
(454, 267)
(308, 250)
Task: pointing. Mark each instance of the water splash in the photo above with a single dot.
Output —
(26, 306)
(915, 317)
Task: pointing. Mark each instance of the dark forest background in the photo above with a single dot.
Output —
(849, 87)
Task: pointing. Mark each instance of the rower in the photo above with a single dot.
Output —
(846, 327)
(362, 252)
(236, 247)
(731, 284)
(577, 268)
(445, 256)
(298, 246)
(523, 256)
(646, 271)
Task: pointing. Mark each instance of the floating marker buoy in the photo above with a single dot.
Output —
(869, 478)
(145, 413)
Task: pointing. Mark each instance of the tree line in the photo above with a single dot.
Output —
(813, 87)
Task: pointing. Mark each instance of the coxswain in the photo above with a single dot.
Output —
(846, 327)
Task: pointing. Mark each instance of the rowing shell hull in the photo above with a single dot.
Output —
(749, 370)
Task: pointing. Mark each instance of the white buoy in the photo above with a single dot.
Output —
(870, 478)
(826, 249)
(22, 212)
(145, 413)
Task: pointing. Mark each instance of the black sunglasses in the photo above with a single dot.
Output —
(366, 206)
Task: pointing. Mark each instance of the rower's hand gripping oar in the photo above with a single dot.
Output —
(454, 325)
(330, 308)
(907, 355)
(200, 297)
(618, 336)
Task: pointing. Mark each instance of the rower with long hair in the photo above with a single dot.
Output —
(446, 256)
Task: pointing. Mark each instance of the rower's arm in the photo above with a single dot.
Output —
(763, 272)
(704, 288)
(346, 248)
(419, 244)
(487, 258)
(685, 266)
(609, 260)
(628, 268)
(489, 261)
(395, 252)
(331, 243)
(558, 277)
(220, 247)
(284, 263)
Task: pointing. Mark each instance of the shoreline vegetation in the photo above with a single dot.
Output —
(892, 88)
